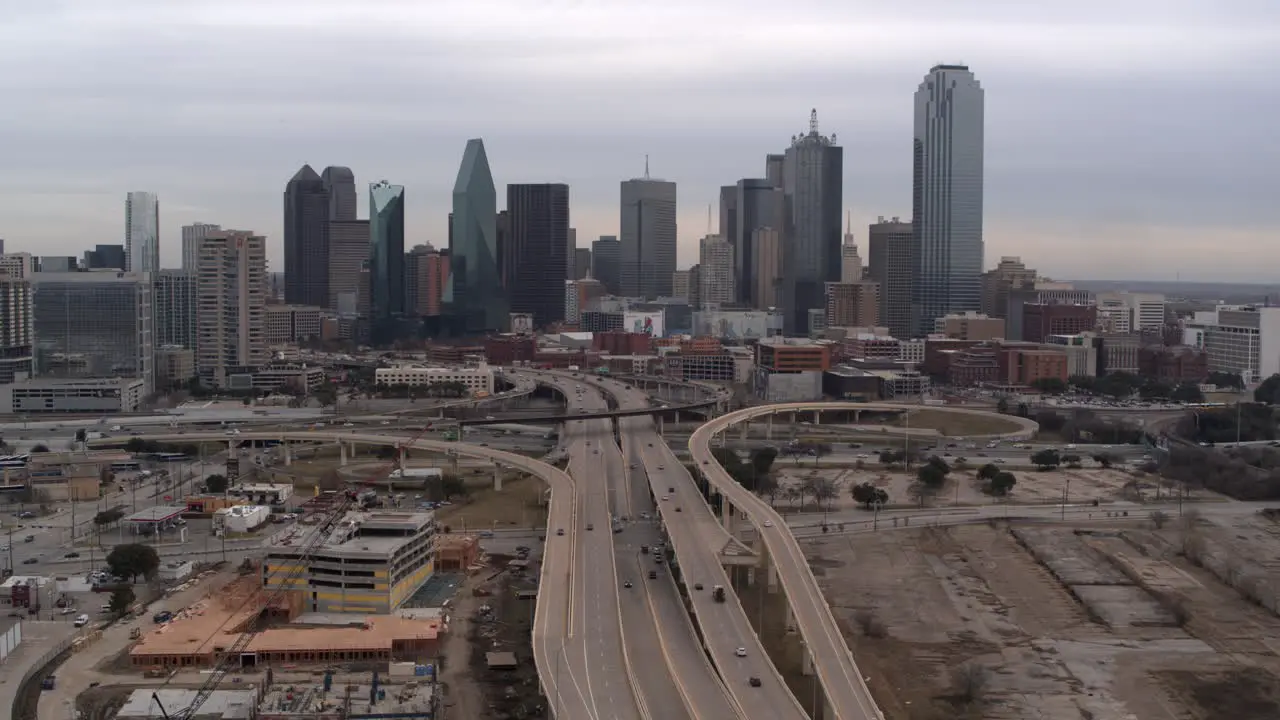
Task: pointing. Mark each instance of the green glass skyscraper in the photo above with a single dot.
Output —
(386, 259)
(474, 293)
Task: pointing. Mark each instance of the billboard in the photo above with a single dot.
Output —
(649, 323)
(522, 323)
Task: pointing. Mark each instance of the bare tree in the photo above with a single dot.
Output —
(969, 682)
(1159, 518)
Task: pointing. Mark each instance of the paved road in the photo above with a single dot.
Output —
(595, 645)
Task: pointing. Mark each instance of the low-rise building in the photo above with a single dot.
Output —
(175, 366)
(368, 562)
(72, 396)
(1082, 352)
(292, 377)
(240, 518)
(969, 326)
(1177, 364)
(476, 379)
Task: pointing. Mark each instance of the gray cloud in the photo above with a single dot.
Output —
(1126, 139)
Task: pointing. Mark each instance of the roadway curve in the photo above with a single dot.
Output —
(847, 694)
(556, 610)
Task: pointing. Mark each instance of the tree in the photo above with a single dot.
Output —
(1050, 421)
(1187, 392)
(824, 491)
(869, 495)
(1071, 460)
(1106, 460)
(1049, 385)
(931, 476)
(40, 448)
(81, 435)
(1023, 410)
(1268, 392)
(326, 395)
(1046, 459)
(121, 599)
(216, 484)
(940, 464)
(1002, 406)
(818, 450)
(1002, 483)
(132, 560)
(1158, 518)
(988, 471)
(762, 459)
(108, 517)
(1225, 380)
(451, 486)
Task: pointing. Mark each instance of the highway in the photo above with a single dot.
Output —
(595, 644)
(845, 691)
(697, 539)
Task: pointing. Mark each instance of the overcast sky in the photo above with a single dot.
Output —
(1133, 139)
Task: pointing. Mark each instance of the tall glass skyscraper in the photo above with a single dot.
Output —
(474, 293)
(813, 182)
(142, 231)
(95, 324)
(539, 241)
(386, 258)
(947, 195)
(306, 243)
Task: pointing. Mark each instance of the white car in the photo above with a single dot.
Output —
(666, 497)
(768, 523)
(348, 424)
(740, 652)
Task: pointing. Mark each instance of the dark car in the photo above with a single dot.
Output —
(30, 561)
(72, 555)
(697, 586)
(653, 574)
(590, 526)
(560, 531)
(626, 584)
(753, 681)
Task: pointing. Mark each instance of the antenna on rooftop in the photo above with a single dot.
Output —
(848, 222)
(708, 218)
(813, 121)
(646, 166)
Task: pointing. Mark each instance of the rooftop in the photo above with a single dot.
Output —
(412, 699)
(222, 704)
(356, 531)
(159, 513)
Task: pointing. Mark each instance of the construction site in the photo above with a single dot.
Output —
(1134, 620)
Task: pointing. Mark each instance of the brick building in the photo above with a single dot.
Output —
(1040, 320)
(1178, 364)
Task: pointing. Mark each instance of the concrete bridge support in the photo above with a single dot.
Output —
(497, 477)
(288, 453)
(746, 430)
(342, 454)
(768, 428)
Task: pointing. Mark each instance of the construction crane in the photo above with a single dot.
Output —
(232, 653)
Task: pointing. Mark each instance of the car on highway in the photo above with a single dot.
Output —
(626, 584)
(31, 561)
(591, 526)
(666, 497)
(768, 523)
(653, 574)
(72, 555)
(697, 586)
(662, 467)
(753, 681)
(560, 531)
(740, 652)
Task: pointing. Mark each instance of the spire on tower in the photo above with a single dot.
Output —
(813, 121)
(708, 218)
(646, 166)
(848, 222)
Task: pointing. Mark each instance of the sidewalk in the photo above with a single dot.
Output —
(39, 639)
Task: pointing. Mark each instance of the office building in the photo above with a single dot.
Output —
(1132, 312)
(174, 298)
(969, 326)
(715, 273)
(1240, 339)
(1043, 292)
(947, 194)
(606, 263)
(339, 185)
(386, 259)
(175, 366)
(850, 261)
(72, 396)
(680, 285)
(425, 273)
(581, 260)
(192, 236)
(852, 304)
(475, 294)
(291, 324)
(348, 255)
(891, 264)
(93, 325)
(755, 204)
(571, 250)
(476, 379)
(813, 180)
(647, 236)
(1008, 275)
(1040, 320)
(142, 232)
(231, 294)
(774, 168)
(306, 251)
(766, 268)
(538, 243)
(368, 563)
(16, 343)
(58, 264)
(18, 265)
(105, 257)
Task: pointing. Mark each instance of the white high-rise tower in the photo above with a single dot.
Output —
(142, 232)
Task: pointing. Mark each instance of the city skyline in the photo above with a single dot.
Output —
(1078, 117)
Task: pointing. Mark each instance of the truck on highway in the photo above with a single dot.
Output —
(717, 593)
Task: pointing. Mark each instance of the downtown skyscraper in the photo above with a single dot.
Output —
(142, 232)
(647, 236)
(386, 259)
(946, 200)
(813, 182)
(536, 250)
(475, 294)
(311, 202)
